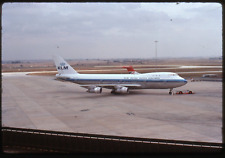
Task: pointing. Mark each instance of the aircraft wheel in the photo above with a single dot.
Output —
(170, 93)
(190, 92)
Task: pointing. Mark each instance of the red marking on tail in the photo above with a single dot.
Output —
(130, 69)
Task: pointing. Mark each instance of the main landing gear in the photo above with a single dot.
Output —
(171, 91)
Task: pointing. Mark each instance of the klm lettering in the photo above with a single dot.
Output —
(62, 67)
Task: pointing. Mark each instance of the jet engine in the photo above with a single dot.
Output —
(122, 90)
(95, 90)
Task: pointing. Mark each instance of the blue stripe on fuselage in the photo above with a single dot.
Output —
(126, 80)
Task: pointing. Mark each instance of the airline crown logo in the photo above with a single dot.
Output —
(62, 66)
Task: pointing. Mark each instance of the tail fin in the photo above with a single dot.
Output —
(130, 69)
(62, 66)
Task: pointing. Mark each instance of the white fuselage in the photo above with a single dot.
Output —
(155, 80)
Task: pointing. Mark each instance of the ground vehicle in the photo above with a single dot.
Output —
(185, 92)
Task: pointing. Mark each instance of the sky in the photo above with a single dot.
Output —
(33, 31)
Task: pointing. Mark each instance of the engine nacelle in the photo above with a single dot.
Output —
(122, 90)
(95, 90)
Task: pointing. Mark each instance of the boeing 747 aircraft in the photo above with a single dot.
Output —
(119, 83)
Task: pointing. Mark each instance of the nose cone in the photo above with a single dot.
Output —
(185, 81)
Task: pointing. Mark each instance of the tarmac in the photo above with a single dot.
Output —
(41, 102)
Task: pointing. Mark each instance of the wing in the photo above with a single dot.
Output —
(113, 86)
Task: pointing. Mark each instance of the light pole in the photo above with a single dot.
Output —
(156, 53)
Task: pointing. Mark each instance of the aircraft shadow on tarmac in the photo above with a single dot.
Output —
(84, 95)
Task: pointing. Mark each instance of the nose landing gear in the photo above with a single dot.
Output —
(171, 91)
